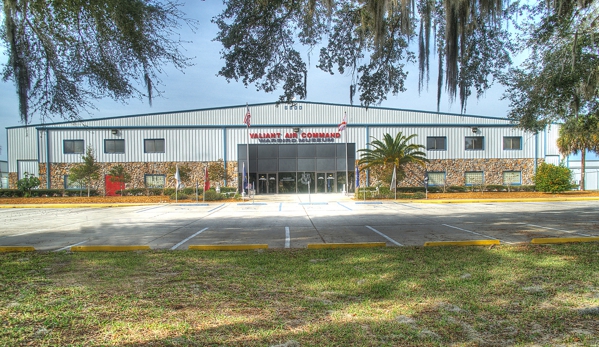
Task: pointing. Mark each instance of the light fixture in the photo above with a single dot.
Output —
(474, 129)
(296, 130)
(114, 131)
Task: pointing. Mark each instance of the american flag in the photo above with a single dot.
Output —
(248, 116)
(343, 123)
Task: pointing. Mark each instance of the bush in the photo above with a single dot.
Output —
(228, 189)
(77, 192)
(10, 193)
(552, 178)
(27, 183)
(212, 195)
(178, 196)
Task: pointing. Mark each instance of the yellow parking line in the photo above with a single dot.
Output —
(462, 243)
(564, 240)
(16, 249)
(228, 247)
(346, 245)
(108, 248)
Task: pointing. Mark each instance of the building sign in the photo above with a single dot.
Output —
(295, 137)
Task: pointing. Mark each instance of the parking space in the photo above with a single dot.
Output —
(295, 225)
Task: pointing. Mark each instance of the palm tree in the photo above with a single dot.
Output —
(580, 133)
(394, 151)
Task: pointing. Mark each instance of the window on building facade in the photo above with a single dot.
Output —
(436, 178)
(155, 181)
(436, 143)
(114, 146)
(474, 142)
(512, 178)
(73, 185)
(73, 146)
(154, 145)
(473, 178)
(512, 142)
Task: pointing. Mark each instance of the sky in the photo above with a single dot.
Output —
(198, 86)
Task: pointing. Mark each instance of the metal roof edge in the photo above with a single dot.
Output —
(226, 126)
(259, 104)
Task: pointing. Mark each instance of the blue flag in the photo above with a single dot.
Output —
(245, 180)
(357, 177)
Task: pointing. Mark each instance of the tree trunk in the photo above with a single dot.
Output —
(582, 169)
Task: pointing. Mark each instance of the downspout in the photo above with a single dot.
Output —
(536, 152)
(225, 153)
(48, 176)
(367, 146)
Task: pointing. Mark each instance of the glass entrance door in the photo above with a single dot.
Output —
(330, 182)
(325, 182)
(267, 183)
(272, 183)
(305, 181)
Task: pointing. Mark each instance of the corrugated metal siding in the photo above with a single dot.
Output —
(186, 140)
(21, 143)
(552, 133)
(493, 141)
(180, 145)
(30, 167)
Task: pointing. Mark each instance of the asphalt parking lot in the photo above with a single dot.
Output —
(291, 224)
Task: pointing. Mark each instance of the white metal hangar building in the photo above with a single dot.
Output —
(286, 143)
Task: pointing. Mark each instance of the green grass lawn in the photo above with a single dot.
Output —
(410, 296)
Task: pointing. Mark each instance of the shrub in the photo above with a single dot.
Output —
(10, 193)
(178, 196)
(212, 195)
(27, 183)
(552, 178)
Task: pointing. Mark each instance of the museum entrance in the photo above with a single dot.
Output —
(267, 183)
(325, 182)
(297, 168)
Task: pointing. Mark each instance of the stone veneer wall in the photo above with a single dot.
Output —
(137, 172)
(12, 180)
(455, 171)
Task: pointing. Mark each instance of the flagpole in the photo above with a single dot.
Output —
(346, 158)
(395, 179)
(247, 149)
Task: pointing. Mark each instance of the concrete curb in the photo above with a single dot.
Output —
(109, 248)
(75, 205)
(483, 200)
(227, 247)
(462, 243)
(345, 245)
(6, 249)
(547, 240)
